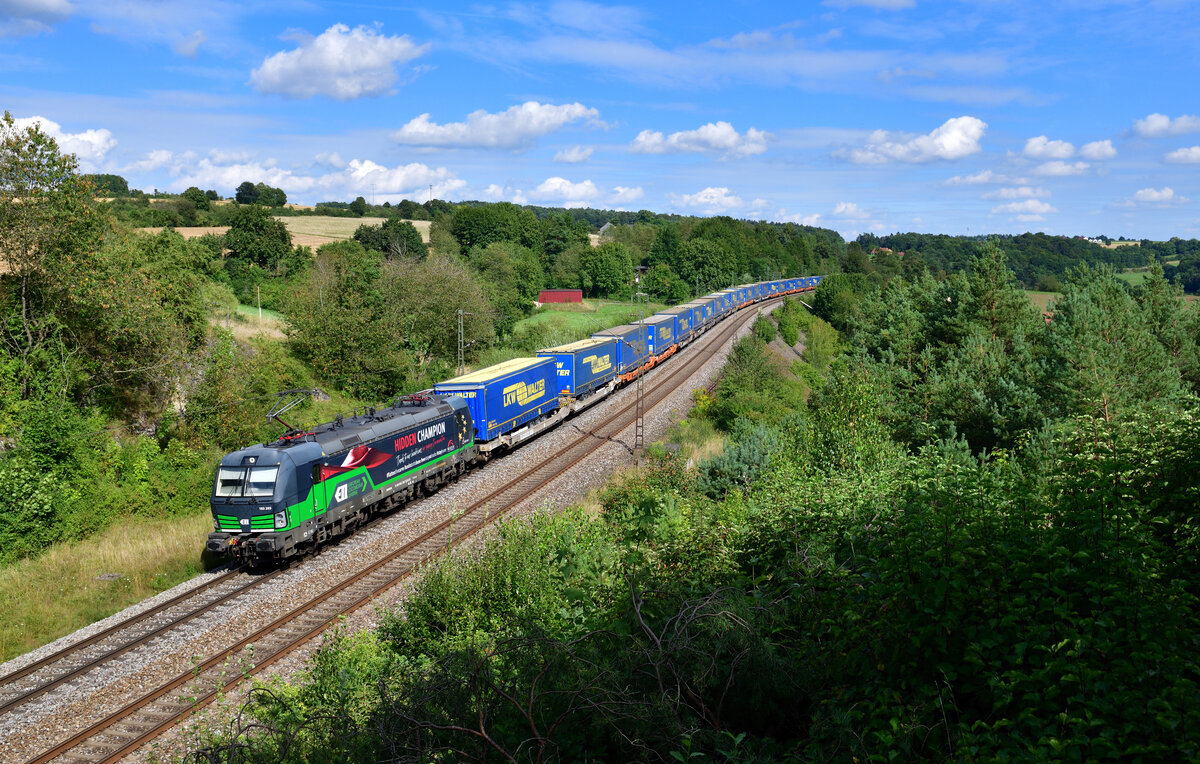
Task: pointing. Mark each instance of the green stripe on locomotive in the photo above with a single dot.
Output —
(307, 509)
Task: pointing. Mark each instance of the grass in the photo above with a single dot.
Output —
(251, 312)
(56, 593)
(577, 322)
(1042, 299)
(698, 439)
(1133, 278)
(560, 323)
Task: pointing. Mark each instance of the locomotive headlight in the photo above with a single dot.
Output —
(216, 524)
(281, 519)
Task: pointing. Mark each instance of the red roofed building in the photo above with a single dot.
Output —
(560, 295)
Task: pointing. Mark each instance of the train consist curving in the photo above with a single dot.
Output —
(283, 499)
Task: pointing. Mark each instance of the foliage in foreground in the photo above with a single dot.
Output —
(851, 600)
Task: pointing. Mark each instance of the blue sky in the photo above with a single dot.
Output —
(964, 116)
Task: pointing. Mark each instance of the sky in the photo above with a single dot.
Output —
(1079, 117)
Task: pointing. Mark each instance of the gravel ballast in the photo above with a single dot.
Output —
(34, 726)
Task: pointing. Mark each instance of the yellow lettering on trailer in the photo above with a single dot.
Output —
(522, 393)
(598, 363)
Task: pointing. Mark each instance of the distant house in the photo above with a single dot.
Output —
(560, 295)
(605, 227)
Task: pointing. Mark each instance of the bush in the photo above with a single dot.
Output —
(749, 455)
(764, 329)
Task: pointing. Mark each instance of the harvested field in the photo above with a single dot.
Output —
(309, 230)
(315, 230)
(193, 232)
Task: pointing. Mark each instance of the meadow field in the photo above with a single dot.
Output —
(308, 230)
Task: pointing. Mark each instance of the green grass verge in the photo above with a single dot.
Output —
(555, 324)
(576, 322)
(250, 311)
(1042, 299)
(58, 592)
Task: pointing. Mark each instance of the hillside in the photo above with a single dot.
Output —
(885, 558)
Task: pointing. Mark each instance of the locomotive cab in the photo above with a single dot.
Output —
(252, 492)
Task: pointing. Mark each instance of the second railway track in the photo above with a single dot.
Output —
(148, 715)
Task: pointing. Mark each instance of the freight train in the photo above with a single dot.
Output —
(284, 499)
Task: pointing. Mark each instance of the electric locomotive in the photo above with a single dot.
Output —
(283, 499)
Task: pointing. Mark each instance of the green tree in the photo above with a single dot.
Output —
(661, 283)
(269, 196)
(247, 193)
(48, 224)
(341, 322)
(666, 246)
(560, 232)
(359, 206)
(1105, 361)
(196, 197)
(706, 263)
(480, 225)
(108, 185)
(427, 296)
(395, 238)
(256, 237)
(512, 276)
(607, 269)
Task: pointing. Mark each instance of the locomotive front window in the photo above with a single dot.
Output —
(238, 481)
(230, 481)
(262, 481)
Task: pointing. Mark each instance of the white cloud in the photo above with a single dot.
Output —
(1097, 150)
(358, 177)
(408, 180)
(190, 45)
(341, 63)
(1042, 147)
(26, 17)
(497, 193)
(90, 146)
(514, 128)
(1189, 155)
(1060, 169)
(955, 139)
(154, 160)
(626, 194)
(1027, 207)
(812, 220)
(225, 156)
(1019, 192)
(561, 188)
(330, 159)
(715, 137)
(883, 5)
(850, 211)
(574, 155)
(1160, 125)
(1164, 195)
(979, 178)
(709, 201)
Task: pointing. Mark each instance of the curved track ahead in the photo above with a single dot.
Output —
(144, 718)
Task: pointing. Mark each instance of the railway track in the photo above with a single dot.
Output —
(144, 718)
(60, 668)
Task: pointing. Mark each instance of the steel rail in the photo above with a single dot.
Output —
(215, 670)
